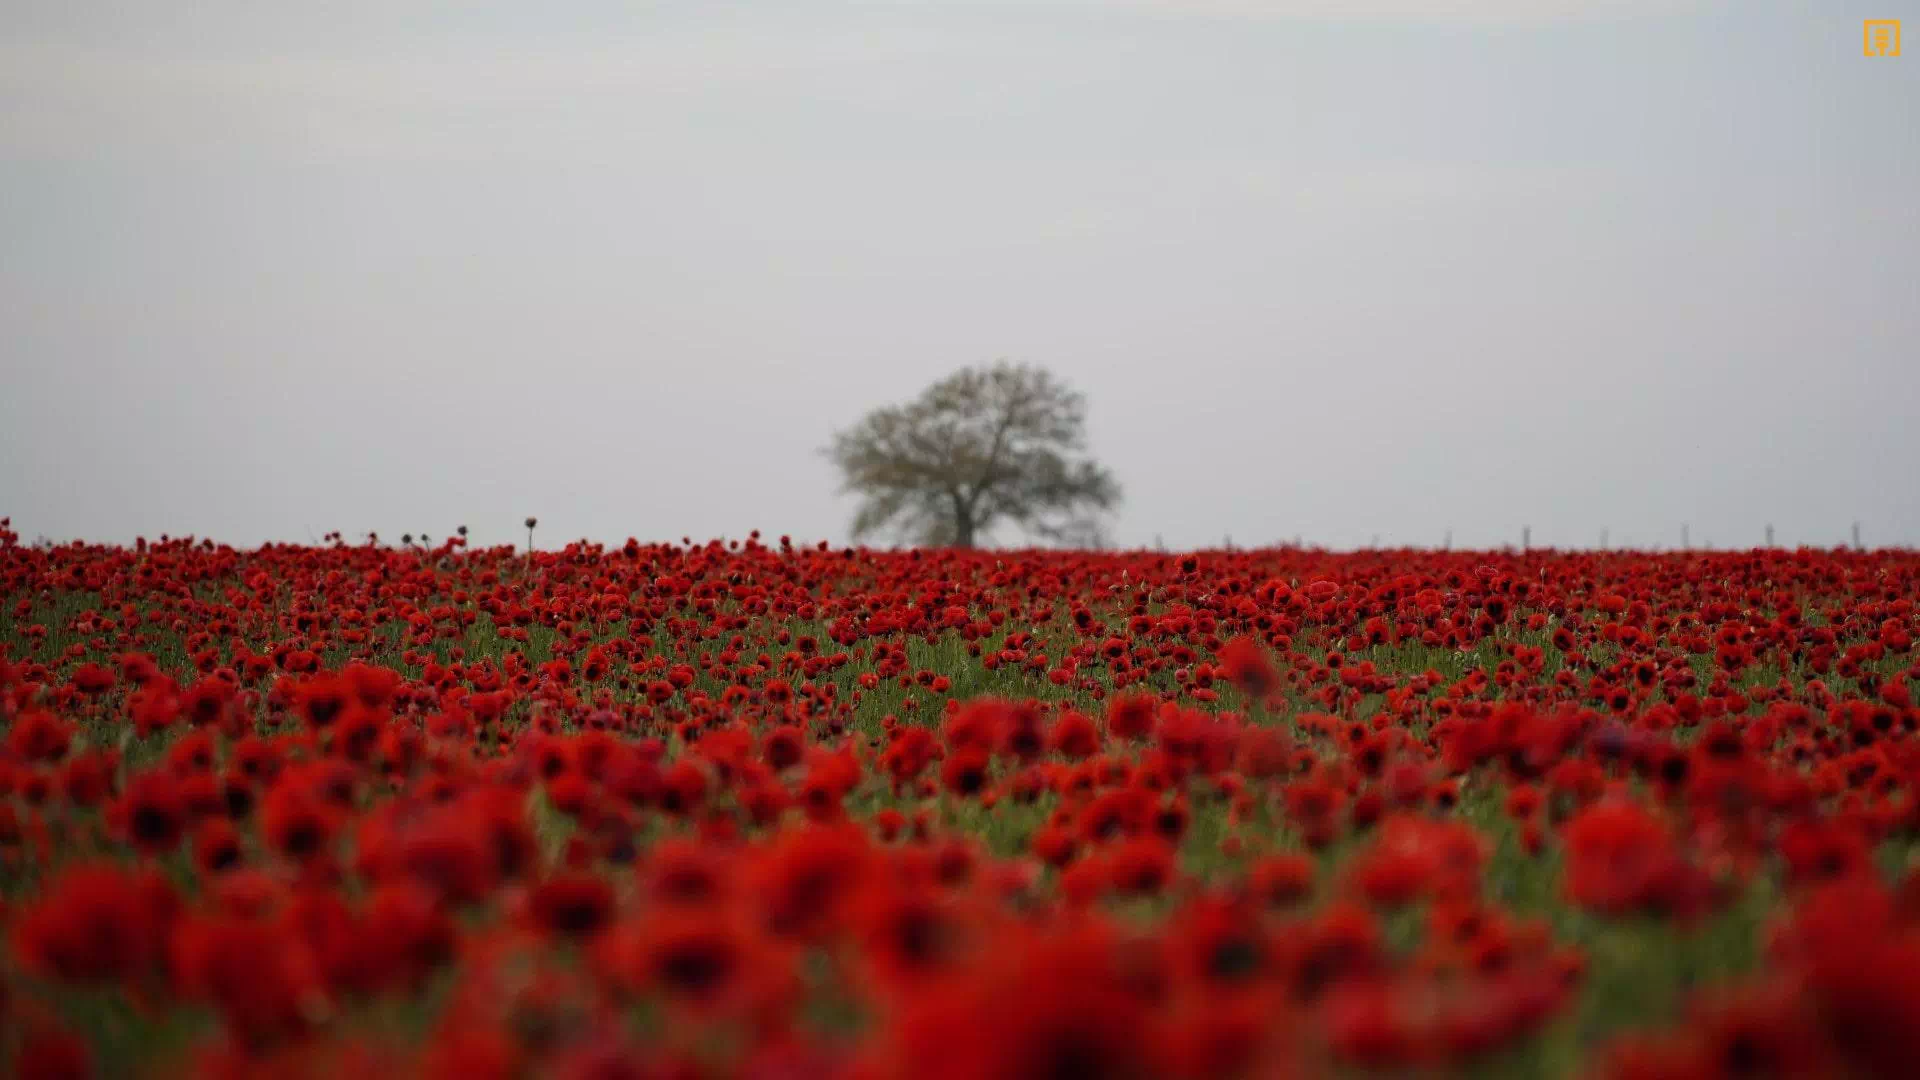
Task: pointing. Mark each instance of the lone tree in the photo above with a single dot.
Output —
(983, 446)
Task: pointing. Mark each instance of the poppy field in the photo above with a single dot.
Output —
(759, 809)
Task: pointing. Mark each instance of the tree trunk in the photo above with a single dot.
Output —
(962, 522)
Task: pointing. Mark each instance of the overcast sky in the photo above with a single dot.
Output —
(1334, 269)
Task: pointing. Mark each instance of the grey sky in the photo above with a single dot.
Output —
(1327, 268)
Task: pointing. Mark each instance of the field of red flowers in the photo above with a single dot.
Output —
(752, 809)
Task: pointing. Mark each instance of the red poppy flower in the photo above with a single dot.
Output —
(96, 923)
(1245, 664)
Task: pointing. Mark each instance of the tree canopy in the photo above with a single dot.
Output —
(987, 445)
